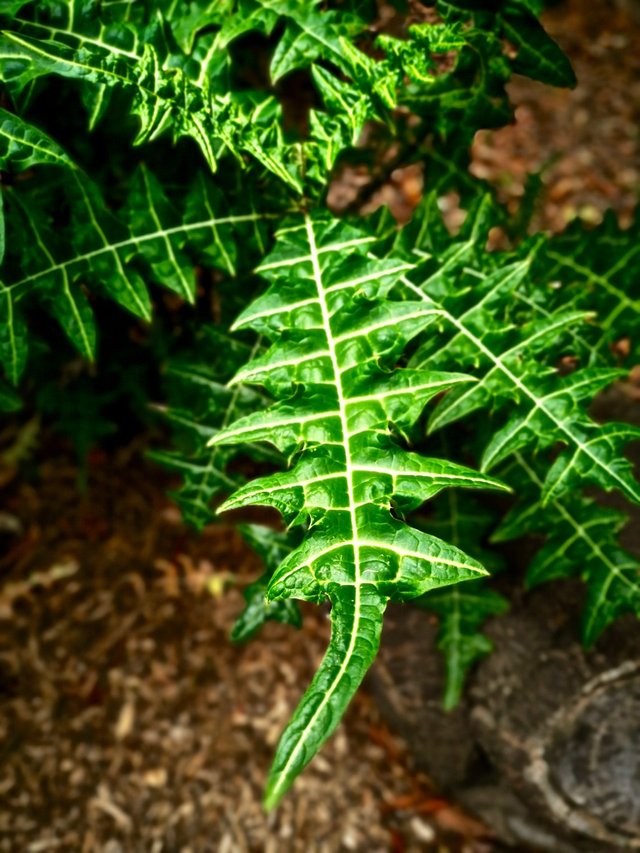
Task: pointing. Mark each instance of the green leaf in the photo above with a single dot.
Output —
(187, 19)
(160, 98)
(2, 229)
(462, 611)
(598, 268)
(272, 548)
(22, 145)
(516, 22)
(199, 406)
(337, 338)
(149, 211)
(511, 335)
(365, 331)
(13, 337)
(537, 56)
(581, 541)
(60, 294)
(515, 362)
(112, 253)
(311, 36)
(356, 622)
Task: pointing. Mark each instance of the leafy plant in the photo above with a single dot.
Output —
(343, 356)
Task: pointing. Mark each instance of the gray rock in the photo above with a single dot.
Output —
(545, 747)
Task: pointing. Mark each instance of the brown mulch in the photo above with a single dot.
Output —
(128, 720)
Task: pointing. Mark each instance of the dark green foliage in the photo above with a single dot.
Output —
(200, 404)
(463, 610)
(272, 548)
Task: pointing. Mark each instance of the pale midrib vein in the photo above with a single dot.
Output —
(583, 533)
(365, 279)
(539, 309)
(472, 308)
(584, 383)
(210, 466)
(12, 338)
(346, 660)
(204, 64)
(449, 262)
(539, 404)
(169, 103)
(216, 237)
(132, 242)
(265, 369)
(430, 475)
(600, 279)
(525, 390)
(74, 63)
(66, 285)
(84, 39)
(271, 490)
(78, 319)
(273, 312)
(184, 283)
(409, 390)
(295, 421)
(322, 250)
(105, 245)
(58, 157)
(498, 365)
(418, 555)
(385, 324)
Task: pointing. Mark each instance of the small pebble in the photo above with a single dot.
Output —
(422, 830)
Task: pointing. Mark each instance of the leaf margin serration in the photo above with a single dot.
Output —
(305, 572)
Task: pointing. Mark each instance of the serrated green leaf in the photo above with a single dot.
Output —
(62, 296)
(272, 547)
(22, 145)
(161, 98)
(311, 36)
(2, 229)
(537, 56)
(462, 611)
(148, 211)
(13, 337)
(581, 541)
(515, 21)
(600, 268)
(337, 337)
(110, 252)
(356, 622)
(365, 332)
(199, 406)
(488, 338)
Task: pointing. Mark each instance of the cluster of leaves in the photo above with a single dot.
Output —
(358, 329)
(512, 321)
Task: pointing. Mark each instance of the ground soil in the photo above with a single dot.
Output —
(128, 721)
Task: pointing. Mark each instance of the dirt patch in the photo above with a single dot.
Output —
(130, 722)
